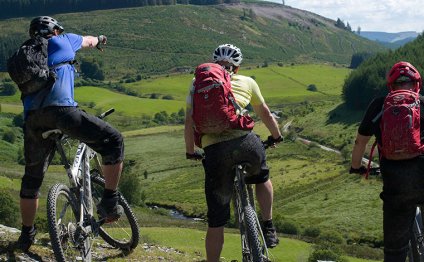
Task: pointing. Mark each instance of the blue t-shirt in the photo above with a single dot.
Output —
(61, 49)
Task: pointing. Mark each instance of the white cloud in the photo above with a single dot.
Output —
(377, 15)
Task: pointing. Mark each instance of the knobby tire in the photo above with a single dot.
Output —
(252, 232)
(62, 221)
(124, 233)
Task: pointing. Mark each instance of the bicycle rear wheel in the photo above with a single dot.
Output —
(253, 233)
(62, 217)
(124, 233)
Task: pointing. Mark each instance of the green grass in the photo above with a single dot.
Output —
(127, 105)
(192, 241)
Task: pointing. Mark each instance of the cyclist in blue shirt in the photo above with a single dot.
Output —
(55, 108)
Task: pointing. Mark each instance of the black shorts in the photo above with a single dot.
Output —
(219, 161)
(74, 122)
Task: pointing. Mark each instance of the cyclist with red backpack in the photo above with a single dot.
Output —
(54, 107)
(222, 128)
(395, 122)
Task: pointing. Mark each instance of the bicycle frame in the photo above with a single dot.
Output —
(80, 182)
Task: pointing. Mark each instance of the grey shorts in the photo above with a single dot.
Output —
(219, 161)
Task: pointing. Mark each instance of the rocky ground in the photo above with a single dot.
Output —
(41, 250)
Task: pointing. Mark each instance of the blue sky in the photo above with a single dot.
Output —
(371, 15)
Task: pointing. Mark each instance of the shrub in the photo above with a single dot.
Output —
(312, 88)
(286, 227)
(9, 89)
(18, 120)
(331, 237)
(9, 136)
(324, 255)
(9, 210)
(42, 224)
(168, 97)
(326, 252)
(312, 232)
(130, 186)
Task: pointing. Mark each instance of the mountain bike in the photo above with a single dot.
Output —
(71, 211)
(416, 244)
(254, 248)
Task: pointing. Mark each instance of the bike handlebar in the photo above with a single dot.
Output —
(105, 114)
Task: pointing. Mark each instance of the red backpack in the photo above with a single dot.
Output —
(400, 125)
(214, 106)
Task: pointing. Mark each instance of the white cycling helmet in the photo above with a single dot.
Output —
(228, 53)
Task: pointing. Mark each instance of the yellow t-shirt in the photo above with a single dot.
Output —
(245, 90)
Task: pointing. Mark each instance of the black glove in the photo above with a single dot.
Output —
(271, 141)
(102, 41)
(195, 156)
(362, 170)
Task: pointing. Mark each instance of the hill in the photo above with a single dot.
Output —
(369, 79)
(162, 39)
(390, 40)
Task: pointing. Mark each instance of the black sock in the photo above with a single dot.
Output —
(268, 224)
(28, 229)
(109, 193)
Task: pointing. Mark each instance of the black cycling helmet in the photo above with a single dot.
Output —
(44, 25)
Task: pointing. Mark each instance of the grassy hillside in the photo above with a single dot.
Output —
(287, 84)
(159, 39)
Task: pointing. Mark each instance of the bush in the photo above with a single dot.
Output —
(312, 88)
(9, 210)
(18, 120)
(9, 89)
(168, 97)
(9, 136)
(326, 252)
(324, 255)
(331, 237)
(154, 96)
(285, 227)
(312, 232)
(129, 185)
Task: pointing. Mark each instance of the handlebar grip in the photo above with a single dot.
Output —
(105, 114)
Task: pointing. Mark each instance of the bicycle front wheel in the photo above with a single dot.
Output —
(124, 233)
(62, 215)
(416, 244)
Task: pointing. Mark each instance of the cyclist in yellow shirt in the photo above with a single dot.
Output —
(224, 150)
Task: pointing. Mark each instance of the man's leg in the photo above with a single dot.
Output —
(108, 206)
(214, 243)
(28, 210)
(265, 196)
(112, 174)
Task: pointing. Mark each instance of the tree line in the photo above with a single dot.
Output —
(368, 81)
(19, 8)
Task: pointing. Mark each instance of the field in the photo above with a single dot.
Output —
(287, 84)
